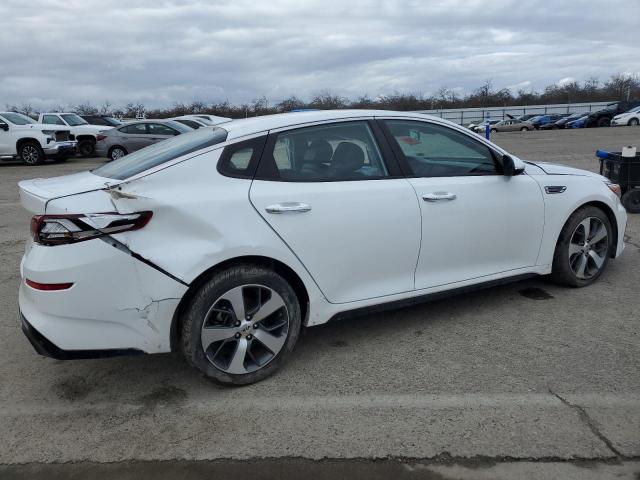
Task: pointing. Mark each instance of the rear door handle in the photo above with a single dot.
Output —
(439, 196)
(288, 207)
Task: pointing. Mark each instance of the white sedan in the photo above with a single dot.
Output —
(630, 118)
(223, 242)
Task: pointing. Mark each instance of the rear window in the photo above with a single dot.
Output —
(161, 152)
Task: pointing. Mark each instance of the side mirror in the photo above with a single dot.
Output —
(509, 168)
(4, 126)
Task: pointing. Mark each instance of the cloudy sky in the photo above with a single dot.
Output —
(67, 52)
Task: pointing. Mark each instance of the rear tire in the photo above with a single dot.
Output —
(524, 129)
(631, 200)
(219, 333)
(117, 152)
(31, 153)
(583, 248)
(86, 147)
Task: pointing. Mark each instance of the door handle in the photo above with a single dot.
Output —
(288, 207)
(439, 196)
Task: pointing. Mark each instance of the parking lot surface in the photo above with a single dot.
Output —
(526, 377)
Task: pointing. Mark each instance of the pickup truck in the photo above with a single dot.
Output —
(22, 138)
(602, 118)
(84, 132)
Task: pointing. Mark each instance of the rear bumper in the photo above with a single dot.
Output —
(115, 303)
(47, 348)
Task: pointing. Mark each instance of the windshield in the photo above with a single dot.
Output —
(161, 152)
(73, 119)
(112, 121)
(17, 118)
(634, 110)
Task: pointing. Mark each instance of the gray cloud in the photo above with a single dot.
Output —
(161, 52)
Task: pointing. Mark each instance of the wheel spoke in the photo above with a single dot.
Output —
(236, 298)
(586, 226)
(597, 259)
(270, 341)
(574, 248)
(581, 265)
(272, 305)
(599, 235)
(215, 334)
(237, 361)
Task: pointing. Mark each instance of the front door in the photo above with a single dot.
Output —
(352, 220)
(476, 222)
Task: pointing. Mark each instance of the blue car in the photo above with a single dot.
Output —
(579, 123)
(541, 120)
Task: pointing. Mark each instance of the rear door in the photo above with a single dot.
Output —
(135, 136)
(343, 208)
(158, 132)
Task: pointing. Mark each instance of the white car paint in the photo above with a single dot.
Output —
(77, 130)
(632, 117)
(363, 243)
(10, 139)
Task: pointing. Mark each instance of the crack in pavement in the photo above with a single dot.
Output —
(586, 419)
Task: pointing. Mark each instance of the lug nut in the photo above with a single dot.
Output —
(237, 335)
(249, 337)
(248, 317)
(237, 324)
(255, 325)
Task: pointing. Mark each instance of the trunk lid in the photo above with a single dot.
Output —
(34, 194)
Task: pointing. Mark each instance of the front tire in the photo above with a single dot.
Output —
(634, 122)
(524, 129)
(583, 248)
(86, 147)
(241, 325)
(604, 122)
(31, 153)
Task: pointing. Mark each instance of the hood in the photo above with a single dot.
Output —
(556, 169)
(34, 194)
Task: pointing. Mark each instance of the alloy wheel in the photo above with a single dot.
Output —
(117, 153)
(30, 154)
(244, 329)
(588, 248)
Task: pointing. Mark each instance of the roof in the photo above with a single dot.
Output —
(248, 126)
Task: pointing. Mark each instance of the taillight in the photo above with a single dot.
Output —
(99, 137)
(61, 229)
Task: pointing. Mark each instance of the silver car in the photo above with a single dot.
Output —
(118, 142)
(512, 125)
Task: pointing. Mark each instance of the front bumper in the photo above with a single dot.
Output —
(58, 148)
(619, 123)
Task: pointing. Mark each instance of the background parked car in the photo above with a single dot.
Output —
(85, 134)
(562, 122)
(579, 123)
(22, 138)
(213, 118)
(118, 142)
(541, 120)
(602, 118)
(512, 125)
(193, 121)
(482, 127)
(631, 118)
(105, 120)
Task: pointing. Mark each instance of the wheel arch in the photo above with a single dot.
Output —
(24, 140)
(279, 267)
(608, 211)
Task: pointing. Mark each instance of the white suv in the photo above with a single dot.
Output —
(223, 242)
(84, 132)
(21, 137)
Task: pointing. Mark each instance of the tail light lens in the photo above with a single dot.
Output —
(100, 137)
(62, 229)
